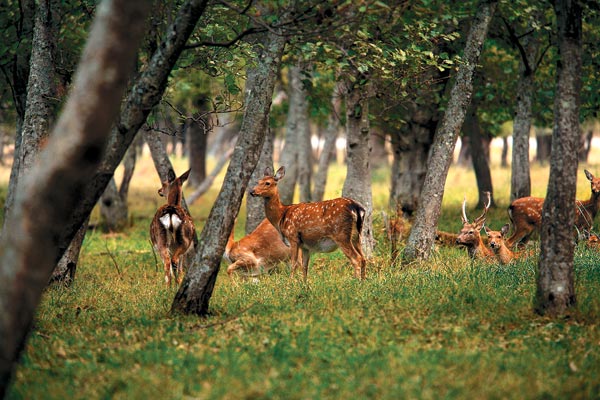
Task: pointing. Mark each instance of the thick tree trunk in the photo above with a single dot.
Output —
(196, 139)
(357, 185)
(422, 234)
(330, 138)
(555, 283)
(196, 290)
(255, 206)
(479, 156)
(53, 187)
(145, 93)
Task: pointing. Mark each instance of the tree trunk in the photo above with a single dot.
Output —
(422, 234)
(255, 206)
(113, 209)
(555, 284)
(357, 184)
(544, 145)
(504, 154)
(196, 290)
(305, 158)
(64, 273)
(330, 137)
(196, 138)
(464, 153)
(143, 96)
(479, 156)
(52, 188)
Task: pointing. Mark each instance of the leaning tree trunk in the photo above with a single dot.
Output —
(331, 134)
(555, 285)
(357, 184)
(196, 290)
(65, 270)
(55, 184)
(143, 96)
(255, 206)
(422, 234)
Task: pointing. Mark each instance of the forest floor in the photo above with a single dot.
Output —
(447, 328)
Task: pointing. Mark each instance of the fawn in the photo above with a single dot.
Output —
(314, 227)
(497, 243)
(258, 252)
(172, 230)
(526, 213)
(470, 235)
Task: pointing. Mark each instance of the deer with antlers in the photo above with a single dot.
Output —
(526, 213)
(318, 227)
(258, 252)
(470, 234)
(172, 230)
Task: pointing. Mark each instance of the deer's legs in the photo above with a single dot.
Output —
(305, 258)
(295, 254)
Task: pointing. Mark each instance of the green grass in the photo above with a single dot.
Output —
(447, 328)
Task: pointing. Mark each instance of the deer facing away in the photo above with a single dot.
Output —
(258, 252)
(172, 230)
(526, 213)
(470, 234)
(315, 227)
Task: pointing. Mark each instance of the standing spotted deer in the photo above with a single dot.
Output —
(526, 213)
(172, 230)
(470, 234)
(318, 227)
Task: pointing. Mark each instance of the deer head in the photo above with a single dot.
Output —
(470, 235)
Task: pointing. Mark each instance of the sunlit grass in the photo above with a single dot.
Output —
(447, 328)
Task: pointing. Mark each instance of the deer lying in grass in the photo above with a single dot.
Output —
(258, 252)
(526, 213)
(315, 227)
(172, 230)
(497, 243)
(470, 234)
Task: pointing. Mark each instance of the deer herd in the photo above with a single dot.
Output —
(293, 232)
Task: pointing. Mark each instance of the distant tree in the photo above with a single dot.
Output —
(53, 186)
(422, 234)
(555, 283)
(255, 206)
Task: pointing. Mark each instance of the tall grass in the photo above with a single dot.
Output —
(447, 328)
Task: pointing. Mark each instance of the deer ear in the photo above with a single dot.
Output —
(170, 175)
(185, 175)
(588, 175)
(504, 229)
(268, 171)
(280, 173)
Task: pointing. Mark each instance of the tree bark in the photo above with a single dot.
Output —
(479, 157)
(113, 209)
(555, 285)
(196, 138)
(196, 289)
(65, 270)
(305, 158)
(53, 187)
(422, 234)
(255, 206)
(357, 184)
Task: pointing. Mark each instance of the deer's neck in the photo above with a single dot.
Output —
(174, 197)
(274, 209)
(505, 255)
(593, 204)
(479, 250)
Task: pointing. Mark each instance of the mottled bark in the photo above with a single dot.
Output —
(255, 206)
(555, 283)
(422, 234)
(56, 183)
(357, 185)
(196, 290)
(329, 139)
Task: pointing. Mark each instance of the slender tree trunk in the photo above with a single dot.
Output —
(330, 136)
(357, 185)
(422, 234)
(255, 206)
(479, 156)
(52, 188)
(504, 154)
(196, 290)
(197, 135)
(64, 273)
(113, 209)
(555, 283)
(305, 158)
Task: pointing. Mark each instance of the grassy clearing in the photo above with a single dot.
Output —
(447, 328)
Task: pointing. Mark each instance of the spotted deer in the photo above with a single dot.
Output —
(470, 234)
(318, 227)
(258, 252)
(172, 230)
(496, 242)
(526, 213)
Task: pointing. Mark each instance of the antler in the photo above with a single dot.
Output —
(465, 220)
(486, 207)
